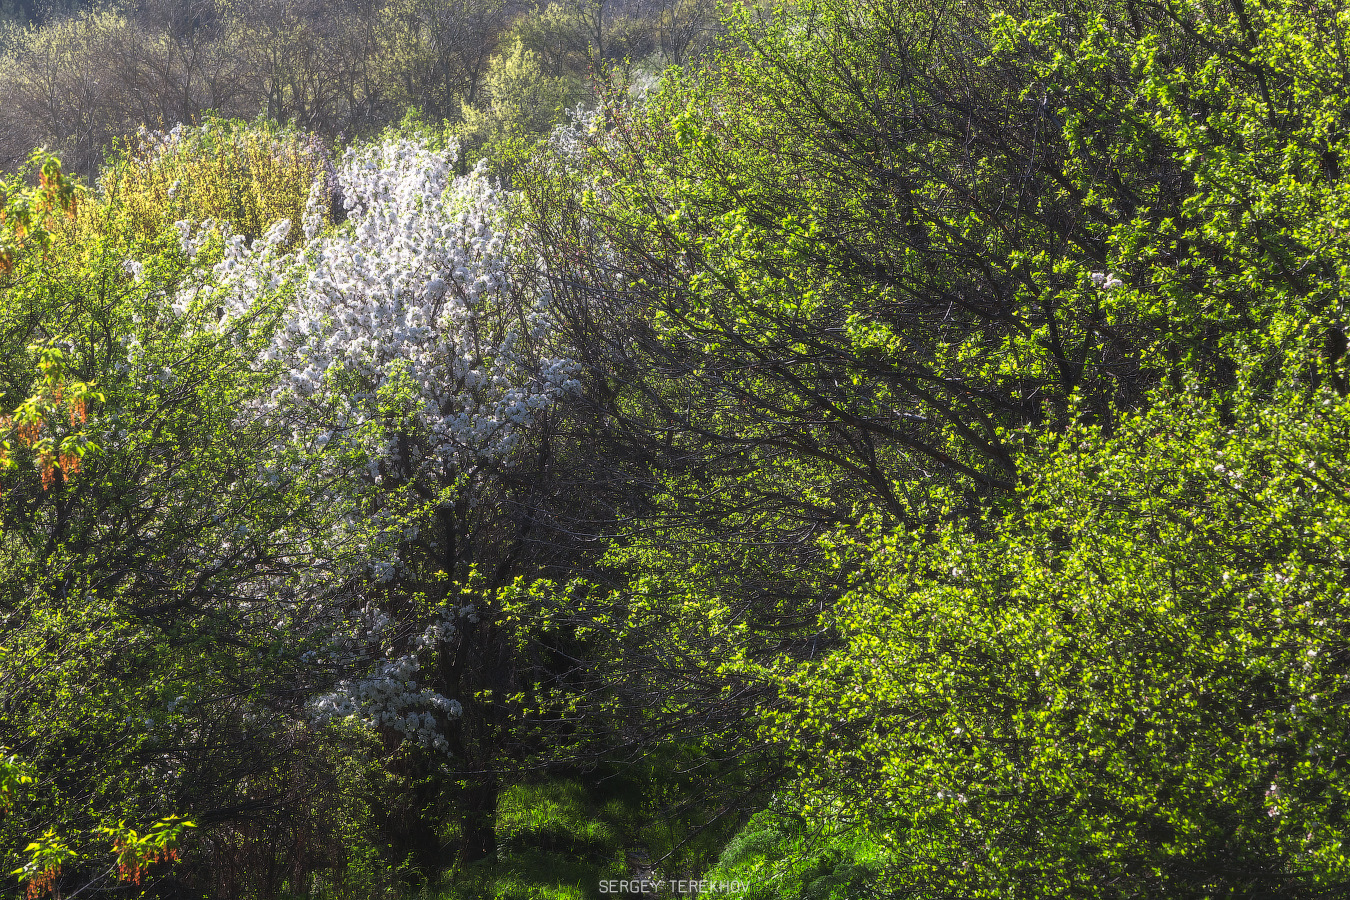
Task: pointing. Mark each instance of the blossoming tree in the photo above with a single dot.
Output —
(408, 378)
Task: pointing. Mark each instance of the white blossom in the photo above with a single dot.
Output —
(400, 338)
(407, 292)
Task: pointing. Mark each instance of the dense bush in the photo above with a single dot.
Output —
(1127, 686)
(854, 286)
(245, 178)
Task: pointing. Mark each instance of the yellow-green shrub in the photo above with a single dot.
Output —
(519, 100)
(248, 175)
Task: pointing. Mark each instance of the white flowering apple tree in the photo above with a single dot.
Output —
(408, 378)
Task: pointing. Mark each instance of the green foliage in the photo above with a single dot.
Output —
(30, 213)
(868, 274)
(776, 857)
(136, 670)
(433, 54)
(1124, 685)
(47, 856)
(556, 34)
(39, 422)
(246, 175)
(845, 275)
(560, 837)
(14, 775)
(519, 100)
(136, 852)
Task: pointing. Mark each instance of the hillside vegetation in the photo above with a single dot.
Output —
(832, 449)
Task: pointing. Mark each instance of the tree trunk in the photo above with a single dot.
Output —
(478, 820)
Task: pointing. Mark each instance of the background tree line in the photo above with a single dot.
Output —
(79, 76)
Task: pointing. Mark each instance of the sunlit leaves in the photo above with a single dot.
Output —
(1133, 672)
